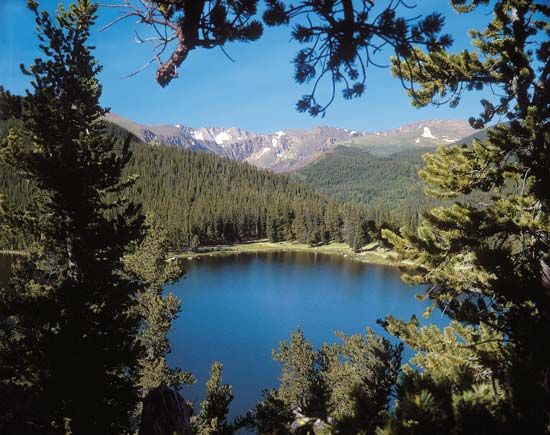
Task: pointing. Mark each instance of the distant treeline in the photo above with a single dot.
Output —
(203, 199)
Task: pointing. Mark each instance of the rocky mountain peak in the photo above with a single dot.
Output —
(290, 149)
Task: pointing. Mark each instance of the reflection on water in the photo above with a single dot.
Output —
(236, 309)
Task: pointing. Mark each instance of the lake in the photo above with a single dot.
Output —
(236, 309)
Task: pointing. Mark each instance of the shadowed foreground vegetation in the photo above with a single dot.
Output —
(84, 319)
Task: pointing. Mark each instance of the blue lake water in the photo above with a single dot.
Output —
(236, 309)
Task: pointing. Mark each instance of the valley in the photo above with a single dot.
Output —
(377, 170)
(237, 267)
(206, 186)
(201, 199)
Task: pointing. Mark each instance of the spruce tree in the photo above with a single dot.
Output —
(488, 263)
(67, 320)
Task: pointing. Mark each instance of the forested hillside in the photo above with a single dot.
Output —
(202, 199)
(388, 184)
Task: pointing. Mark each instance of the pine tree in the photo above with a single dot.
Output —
(273, 228)
(194, 243)
(11, 105)
(340, 388)
(448, 386)
(149, 264)
(212, 418)
(67, 326)
(488, 262)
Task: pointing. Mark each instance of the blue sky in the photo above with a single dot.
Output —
(257, 92)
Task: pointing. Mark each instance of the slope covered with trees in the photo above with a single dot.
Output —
(200, 198)
(386, 183)
(389, 185)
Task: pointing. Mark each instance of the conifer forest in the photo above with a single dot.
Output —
(102, 220)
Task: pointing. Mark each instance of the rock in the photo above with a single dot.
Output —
(165, 412)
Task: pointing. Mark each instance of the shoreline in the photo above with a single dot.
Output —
(371, 254)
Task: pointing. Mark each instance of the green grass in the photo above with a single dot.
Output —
(375, 255)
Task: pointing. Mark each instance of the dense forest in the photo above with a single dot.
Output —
(201, 199)
(84, 319)
(389, 185)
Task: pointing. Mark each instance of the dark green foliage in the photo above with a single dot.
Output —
(67, 332)
(488, 263)
(11, 106)
(388, 186)
(342, 388)
(212, 418)
(202, 199)
(149, 264)
(199, 196)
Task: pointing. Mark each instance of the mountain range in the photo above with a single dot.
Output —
(291, 149)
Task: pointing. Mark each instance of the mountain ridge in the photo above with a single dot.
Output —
(291, 149)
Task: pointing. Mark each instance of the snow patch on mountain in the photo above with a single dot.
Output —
(290, 149)
(428, 133)
(222, 137)
(198, 135)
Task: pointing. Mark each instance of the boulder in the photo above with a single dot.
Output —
(165, 412)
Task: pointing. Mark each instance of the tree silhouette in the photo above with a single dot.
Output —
(341, 37)
(67, 328)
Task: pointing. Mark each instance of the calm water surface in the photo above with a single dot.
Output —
(236, 309)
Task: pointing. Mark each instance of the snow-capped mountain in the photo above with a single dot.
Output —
(291, 149)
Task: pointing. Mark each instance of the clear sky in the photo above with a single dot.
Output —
(257, 92)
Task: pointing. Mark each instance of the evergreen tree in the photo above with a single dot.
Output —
(340, 388)
(203, 199)
(11, 106)
(488, 263)
(273, 228)
(67, 324)
(194, 243)
(448, 385)
(348, 35)
(149, 264)
(212, 418)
